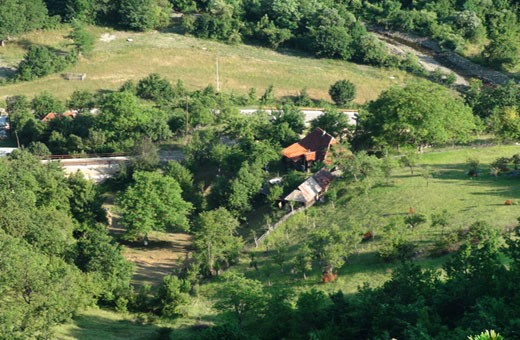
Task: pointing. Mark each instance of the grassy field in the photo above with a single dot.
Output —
(467, 199)
(192, 60)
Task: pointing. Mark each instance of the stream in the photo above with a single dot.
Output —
(432, 57)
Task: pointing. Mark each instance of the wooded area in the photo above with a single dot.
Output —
(422, 192)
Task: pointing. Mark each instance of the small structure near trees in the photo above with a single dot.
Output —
(312, 189)
(75, 76)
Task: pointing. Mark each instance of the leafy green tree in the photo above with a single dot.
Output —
(418, 114)
(506, 123)
(409, 160)
(275, 193)
(303, 98)
(330, 36)
(342, 92)
(245, 186)
(441, 219)
(267, 31)
(331, 121)
(85, 201)
(215, 239)
(81, 100)
(360, 165)
(145, 15)
(152, 202)
(146, 156)
(21, 16)
(82, 40)
(241, 296)
(155, 88)
(183, 176)
(426, 173)
(98, 254)
(503, 50)
(38, 149)
(39, 61)
(38, 292)
(415, 220)
(124, 121)
(173, 296)
(388, 165)
(332, 245)
(45, 103)
(268, 96)
(303, 261)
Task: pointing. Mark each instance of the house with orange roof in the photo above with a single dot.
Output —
(315, 147)
(51, 115)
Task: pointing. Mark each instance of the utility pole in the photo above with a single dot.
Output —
(218, 82)
(17, 139)
(187, 118)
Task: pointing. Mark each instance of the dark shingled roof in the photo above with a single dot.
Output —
(324, 177)
(317, 141)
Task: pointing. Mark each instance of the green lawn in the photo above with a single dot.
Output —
(99, 324)
(177, 56)
(468, 200)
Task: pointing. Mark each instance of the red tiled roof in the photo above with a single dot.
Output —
(314, 146)
(49, 116)
(295, 150)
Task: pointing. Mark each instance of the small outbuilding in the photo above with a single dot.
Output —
(312, 189)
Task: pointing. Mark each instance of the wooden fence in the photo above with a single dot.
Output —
(273, 227)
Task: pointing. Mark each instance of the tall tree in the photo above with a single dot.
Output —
(241, 296)
(215, 239)
(152, 202)
(418, 114)
(82, 40)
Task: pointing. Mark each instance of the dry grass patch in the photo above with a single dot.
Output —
(192, 60)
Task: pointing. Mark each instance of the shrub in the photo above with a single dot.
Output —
(342, 92)
(502, 164)
(173, 295)
(155, 88)
(40, 61)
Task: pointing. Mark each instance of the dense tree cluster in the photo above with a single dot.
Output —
(335, 30)
(419, 114)
(55, 255)
(323, 28)
(497, 108)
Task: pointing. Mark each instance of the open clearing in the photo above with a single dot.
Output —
(164, 252)
(176, 56)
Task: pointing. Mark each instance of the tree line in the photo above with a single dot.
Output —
(56, 255)
(326, 29)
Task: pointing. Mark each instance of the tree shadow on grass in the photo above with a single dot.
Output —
(98, 327)
(7, 72)
(26, 44)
